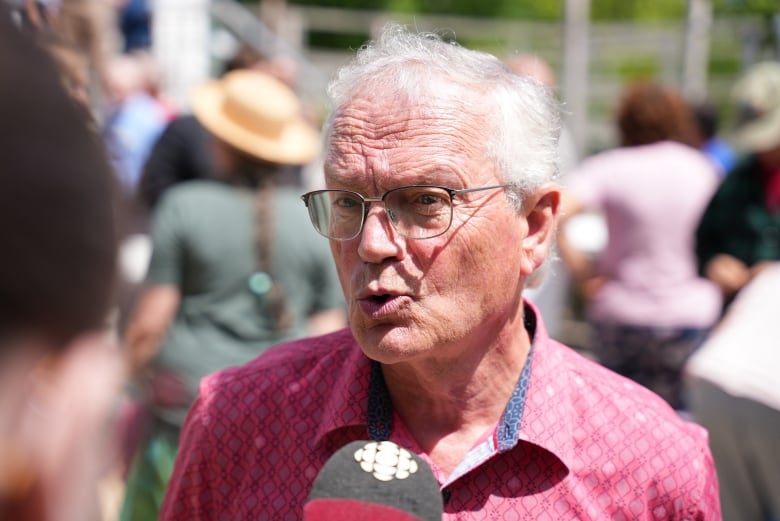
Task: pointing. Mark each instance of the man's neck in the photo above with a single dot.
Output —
(448, 404)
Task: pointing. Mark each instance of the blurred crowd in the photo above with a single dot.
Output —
(668, 251)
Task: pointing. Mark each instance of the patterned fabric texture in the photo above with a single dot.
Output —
(576, 441)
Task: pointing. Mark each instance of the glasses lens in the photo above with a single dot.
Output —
(419, 212)
(336, 214)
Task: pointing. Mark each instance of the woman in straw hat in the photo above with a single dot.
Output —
(235, 266)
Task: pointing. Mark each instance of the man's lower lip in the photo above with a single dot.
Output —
(377, 308)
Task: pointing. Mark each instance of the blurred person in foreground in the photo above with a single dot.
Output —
(733, 392)
(441, 206)
(60, 373)
(739, 234)
(647, 307)
(235, 267)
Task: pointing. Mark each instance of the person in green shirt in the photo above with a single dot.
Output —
(739, 233)
(235, 266)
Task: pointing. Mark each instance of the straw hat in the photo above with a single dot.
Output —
(257, 114)
(757, 96)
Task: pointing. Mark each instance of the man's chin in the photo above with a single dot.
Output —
(387, 344)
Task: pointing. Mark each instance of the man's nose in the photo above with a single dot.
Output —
(378, 240)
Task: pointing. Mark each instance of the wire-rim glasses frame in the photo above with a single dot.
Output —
(416, 212)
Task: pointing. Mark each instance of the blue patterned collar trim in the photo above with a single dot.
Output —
(509, 425)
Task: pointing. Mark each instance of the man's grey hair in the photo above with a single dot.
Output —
(523, 118)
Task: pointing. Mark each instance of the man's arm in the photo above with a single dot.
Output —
(151, 319)
(728, 272)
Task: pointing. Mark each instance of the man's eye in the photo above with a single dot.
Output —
(426, 198)
(429, 198)
(426, 203)
(347, 202)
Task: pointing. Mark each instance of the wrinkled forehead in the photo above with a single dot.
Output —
(440, 123)
(430, 107)
(390, 140)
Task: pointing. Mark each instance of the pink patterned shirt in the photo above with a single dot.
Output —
(575, 441)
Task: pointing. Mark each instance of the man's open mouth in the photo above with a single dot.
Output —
(380, 299)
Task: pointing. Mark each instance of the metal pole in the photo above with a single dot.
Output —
(575, 70)
(696, 52)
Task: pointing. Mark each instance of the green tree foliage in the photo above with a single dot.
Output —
(533, 9)
(519, 9)
(637, 9)
(496, 8)
(648, 10)
(765, 7)
(767, 10)
(346, 4)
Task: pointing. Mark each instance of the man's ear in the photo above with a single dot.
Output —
(541, 214)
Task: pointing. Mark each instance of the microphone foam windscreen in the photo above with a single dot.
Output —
(376, 481)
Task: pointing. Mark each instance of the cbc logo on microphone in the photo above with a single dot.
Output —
(385, 460)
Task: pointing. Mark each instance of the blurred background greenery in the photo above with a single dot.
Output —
(626, 40)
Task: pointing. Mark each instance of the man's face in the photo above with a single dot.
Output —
(434, 297)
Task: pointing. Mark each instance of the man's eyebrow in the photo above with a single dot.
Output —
(428, 175)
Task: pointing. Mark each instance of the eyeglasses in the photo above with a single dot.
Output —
(415, 212)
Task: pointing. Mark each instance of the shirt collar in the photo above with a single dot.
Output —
(547, 418)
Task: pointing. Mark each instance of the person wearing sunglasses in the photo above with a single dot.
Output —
(440, 204)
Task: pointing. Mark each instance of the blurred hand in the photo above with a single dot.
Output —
(729, 273)
(591, 285)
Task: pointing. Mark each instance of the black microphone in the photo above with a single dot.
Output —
(374, 481)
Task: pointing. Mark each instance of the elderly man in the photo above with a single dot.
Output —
(440, 207)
